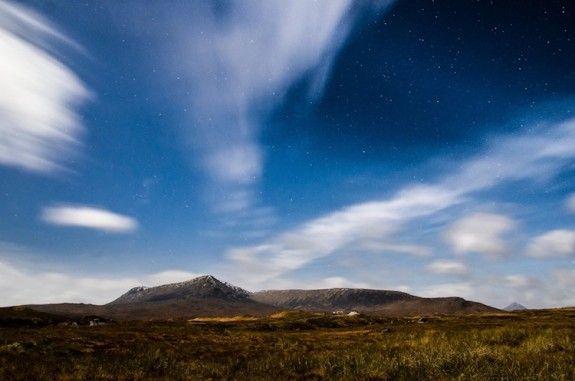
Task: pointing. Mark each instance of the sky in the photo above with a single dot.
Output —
(422, 146)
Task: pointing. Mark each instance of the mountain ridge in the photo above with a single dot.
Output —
(366, 300)
(208, 296)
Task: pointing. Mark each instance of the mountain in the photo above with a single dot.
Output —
(202, 296)
(22, 316)
(203, 287)
(515, 307)
(208, 296)
(366, 300)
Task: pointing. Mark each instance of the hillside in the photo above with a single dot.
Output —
(202, 287)
(367, 300)
(207, 296)
(202, 296)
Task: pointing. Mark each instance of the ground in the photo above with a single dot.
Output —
(531, 345)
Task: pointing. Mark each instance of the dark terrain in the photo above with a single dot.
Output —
(207, 296)
(524, 345)
(204, 329)
(369, 301)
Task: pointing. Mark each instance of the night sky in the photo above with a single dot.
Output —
(416, 145)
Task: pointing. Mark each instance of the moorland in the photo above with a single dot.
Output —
(522, 345)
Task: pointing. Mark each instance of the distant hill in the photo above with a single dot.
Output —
(366, 300)
(23, 316)
(202, 296)
(515, 307)
(207, 296)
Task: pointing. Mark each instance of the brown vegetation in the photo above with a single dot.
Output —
(297, 345)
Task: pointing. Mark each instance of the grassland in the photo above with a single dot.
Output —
(521, 346)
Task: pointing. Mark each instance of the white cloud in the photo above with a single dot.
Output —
(555, 243)
(403, 288)
(447, 267)
(236, 62)
(358, 224)
(27, 283)
(571, 203)
(383, 246)
(461, 289)
(24, 286)
(519, 281)
(300, 284)
(480, 233)
(555, 288)
(39, 125)
(362, 224)
(236, 164)
(167, 277)
(562, 287)
(337, 282)
(88, 217)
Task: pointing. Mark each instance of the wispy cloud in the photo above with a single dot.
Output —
(239, 61)
(357, 224)
(555, 243)
(481, 233)
(39, 124)
(504, 160)
(445, 267)
(88, 217)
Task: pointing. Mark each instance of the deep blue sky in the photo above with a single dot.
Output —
(426, 146)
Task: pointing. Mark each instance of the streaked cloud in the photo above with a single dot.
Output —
(237, 62)
(503, 160)
(555, 243)
(445, 267)
(355, 225)
(39, 123)
(383, 246)
(88, 217)
(481, 233)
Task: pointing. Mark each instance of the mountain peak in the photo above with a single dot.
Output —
(515, 307)
(205, 286)
(208, 279)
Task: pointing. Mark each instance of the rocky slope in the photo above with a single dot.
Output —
(203, 287)
(366, 300)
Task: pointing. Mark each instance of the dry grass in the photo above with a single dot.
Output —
(526, 346)
(224, 319)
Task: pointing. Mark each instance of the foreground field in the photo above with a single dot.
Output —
(523, 346)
